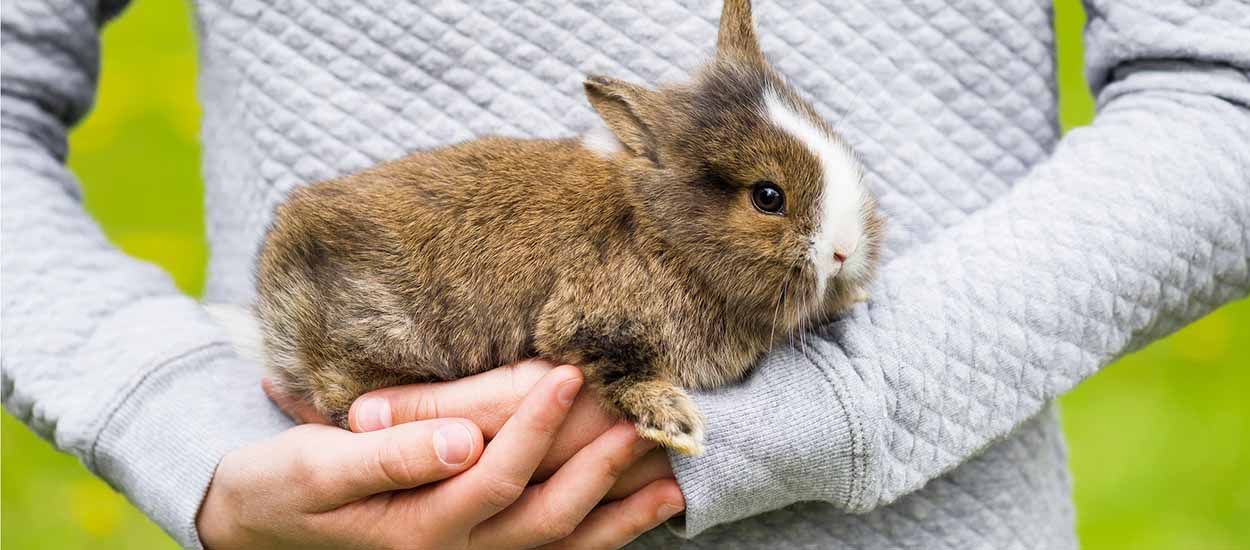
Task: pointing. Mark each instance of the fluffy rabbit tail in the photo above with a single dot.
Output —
(242, 327)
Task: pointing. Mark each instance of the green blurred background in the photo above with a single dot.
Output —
(1160, 441)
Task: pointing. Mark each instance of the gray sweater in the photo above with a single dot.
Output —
(1018, 263)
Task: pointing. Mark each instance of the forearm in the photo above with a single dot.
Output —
(101, 353)
(1136, 226)
(103, 356)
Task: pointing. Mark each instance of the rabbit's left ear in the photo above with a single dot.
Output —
(736, 38)
(628, 110)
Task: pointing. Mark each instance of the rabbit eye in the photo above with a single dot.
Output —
(768, 198)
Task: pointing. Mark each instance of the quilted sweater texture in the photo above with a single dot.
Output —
(1018, 263)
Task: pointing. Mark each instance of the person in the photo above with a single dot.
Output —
(1018, 264)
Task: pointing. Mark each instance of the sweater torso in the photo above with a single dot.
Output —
(948, 102)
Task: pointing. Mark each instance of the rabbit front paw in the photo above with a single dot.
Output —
(665, 414)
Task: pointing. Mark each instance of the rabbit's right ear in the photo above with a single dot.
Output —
(628, 109)
(736, 38)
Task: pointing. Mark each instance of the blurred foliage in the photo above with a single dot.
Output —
(1159, 448)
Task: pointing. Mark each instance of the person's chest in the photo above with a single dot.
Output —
(947, 101)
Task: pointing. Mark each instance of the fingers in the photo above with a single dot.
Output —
(650, 468)
(342, 467)
(586, 422)
(294, 407)
(506, 465)
(552, 510)
(489, 399)
(616, 524)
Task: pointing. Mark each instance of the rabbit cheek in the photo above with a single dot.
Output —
(838, 207)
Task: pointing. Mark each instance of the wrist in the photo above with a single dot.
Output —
(163, 443)
(790, 432)
(211, 521)
(215, 520)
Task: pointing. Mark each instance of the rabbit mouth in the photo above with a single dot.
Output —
(855, 267)
(800, 293)
(827, 264)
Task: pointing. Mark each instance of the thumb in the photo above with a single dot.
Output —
(354, 466)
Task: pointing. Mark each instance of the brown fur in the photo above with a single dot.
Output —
(650, 269)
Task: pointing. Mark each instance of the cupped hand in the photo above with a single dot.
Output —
(489, 399)
(434, 484)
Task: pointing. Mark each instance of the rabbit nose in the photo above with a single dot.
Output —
(844, 248)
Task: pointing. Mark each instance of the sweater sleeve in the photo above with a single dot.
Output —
(101, 353)
(1136, 226)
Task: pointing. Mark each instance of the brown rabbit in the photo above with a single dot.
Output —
(706, 223)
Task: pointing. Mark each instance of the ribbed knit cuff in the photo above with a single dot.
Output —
(789, 433)
(163, 443)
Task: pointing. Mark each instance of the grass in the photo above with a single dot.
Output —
(1158, 441)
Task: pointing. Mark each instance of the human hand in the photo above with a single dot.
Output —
(433, 484)
(489, 399)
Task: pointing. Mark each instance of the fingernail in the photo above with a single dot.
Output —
(374, 413)
(668, 510)
(567, 391)
(453, 443)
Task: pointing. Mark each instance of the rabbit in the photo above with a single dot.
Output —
(703, 224)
